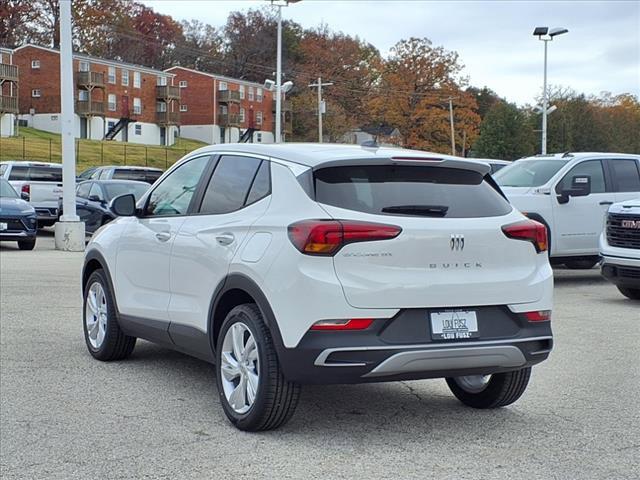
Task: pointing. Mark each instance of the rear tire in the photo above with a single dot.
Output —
(273, 401)
(581, 263)
(500, 390)
(632, 293)
(27, 244)
(105, 341)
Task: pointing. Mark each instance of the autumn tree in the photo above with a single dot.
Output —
(16, 22)
(412, 95)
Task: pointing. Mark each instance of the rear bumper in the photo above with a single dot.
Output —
(46, 213)
(396, 349)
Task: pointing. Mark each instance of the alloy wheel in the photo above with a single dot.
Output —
(240, 367)
(96, 315)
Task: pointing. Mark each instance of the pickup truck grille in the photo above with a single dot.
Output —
(621, 236)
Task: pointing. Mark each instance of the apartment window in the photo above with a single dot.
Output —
(111, 101)
(161, 107)
(136, 79)
(83, 95)
(241, 92)
(223, 109)
(242, 115)
(182, 84)
(138, 129)
(259, 118)
(162, 81)
(110, 124)
(35, 64)
(35, 93)
(137, 106)
(259, 137)
(83, 66)
(111, 75)
(125, 78)
(259, 95)
(183, 108)
(223, 86)
(251, 94)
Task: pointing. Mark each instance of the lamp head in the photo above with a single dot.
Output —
(286, 86)
(557, 31)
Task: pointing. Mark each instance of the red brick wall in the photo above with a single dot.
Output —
(47, 79)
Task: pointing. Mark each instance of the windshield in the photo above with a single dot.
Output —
(528, 173)
(114, 190)
(6, 190)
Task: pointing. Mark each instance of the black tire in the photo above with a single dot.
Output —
(632, 293)
(502, 389)
(27, 244)
(116, 345)
(581, 263)
(276, 398)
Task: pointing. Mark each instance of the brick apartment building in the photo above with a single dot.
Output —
(8, 92)
(218, 109)
(113, 100)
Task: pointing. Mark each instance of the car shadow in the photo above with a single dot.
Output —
(374, 409)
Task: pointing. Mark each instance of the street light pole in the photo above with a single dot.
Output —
(278, 138)
(453, 139)
(546, 35)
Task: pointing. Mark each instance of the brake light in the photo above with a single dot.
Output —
(26, 191)
(530, 231)
(326, 237)
(351, 324)
(417, 159)
(538, 316)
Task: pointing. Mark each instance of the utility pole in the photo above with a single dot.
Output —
(69, 231)
(319, 85)
(278, 138)
(453, 140)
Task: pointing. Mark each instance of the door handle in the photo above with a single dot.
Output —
(163, 236)
(225, 238)
(606, 203)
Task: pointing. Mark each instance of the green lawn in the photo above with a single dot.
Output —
(32, 144)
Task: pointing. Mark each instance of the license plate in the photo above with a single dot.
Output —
(454, 325)
(3, 226)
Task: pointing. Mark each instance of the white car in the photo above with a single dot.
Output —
(305, 263)
(620, 248)
(570, 193)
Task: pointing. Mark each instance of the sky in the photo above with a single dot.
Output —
(494, 39)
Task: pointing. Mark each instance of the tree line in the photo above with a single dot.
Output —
(410, 89)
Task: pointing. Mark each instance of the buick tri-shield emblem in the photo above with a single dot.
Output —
(457, 242)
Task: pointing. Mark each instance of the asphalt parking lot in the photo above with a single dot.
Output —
(64, 415)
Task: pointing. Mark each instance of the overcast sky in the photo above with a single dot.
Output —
(493, 38)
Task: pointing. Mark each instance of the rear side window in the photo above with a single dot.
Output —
(626, 174)
(36, 174)
(83, 190)
(229, 185)
(409, 190)
(135, 174)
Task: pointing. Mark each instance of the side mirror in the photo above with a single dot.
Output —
(95, 198)
(580, 187)
(124, 205)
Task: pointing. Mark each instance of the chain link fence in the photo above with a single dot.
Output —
(90, 153)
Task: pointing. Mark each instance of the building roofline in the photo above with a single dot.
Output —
(91, 58)
(216, 76)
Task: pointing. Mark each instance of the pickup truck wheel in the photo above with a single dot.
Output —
(581, 263)
(490, 391)
(105, 341)
(254, 393)
(27, 244)
(632, 293)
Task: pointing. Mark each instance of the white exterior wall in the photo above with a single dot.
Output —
(210, 134)
(7, 123)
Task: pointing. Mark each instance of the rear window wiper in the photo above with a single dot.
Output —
(418, 210)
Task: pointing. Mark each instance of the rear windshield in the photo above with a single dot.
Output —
(529, 173)
(409, 190)
(148, 176)
(36, 174)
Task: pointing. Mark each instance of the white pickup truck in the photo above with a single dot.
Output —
(38, 183)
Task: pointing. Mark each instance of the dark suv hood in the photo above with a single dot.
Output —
(15, 207)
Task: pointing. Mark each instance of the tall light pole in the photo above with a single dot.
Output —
(69, 231)
(279, 4)
(546, 35)
(319, 85)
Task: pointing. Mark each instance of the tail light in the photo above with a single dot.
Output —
(538, 316)
(326, 237)
(351, 324)
(529, 231)
(25, 191)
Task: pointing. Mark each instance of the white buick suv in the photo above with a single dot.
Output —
(302, 263)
